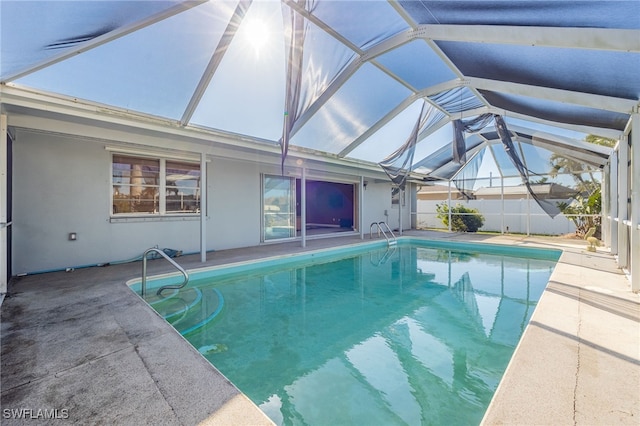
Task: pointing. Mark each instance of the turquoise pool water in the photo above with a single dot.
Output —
(416, 334)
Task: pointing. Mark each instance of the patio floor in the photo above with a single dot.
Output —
(84, 344)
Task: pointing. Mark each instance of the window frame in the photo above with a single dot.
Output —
(398, 199)
(162, 186)
(266, 213)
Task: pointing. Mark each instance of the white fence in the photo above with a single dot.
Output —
(520, 216)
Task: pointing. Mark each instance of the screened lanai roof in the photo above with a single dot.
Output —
(348, 78)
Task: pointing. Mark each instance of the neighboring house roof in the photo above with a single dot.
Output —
(438, 192)
(544, 191)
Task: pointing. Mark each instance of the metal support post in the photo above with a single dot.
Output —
(203, 207)
(303, 208)
(634, 244)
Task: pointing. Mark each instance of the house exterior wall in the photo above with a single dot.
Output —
(234, 204)
(62, 184)
(378, 208)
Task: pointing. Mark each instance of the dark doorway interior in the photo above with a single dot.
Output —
(330, 206)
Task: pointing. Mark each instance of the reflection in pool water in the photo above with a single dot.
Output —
(405, 335)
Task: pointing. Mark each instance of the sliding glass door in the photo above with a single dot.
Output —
(278, 207)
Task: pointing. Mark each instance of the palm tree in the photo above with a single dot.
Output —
(564, 165)
(586, 204)
(599, 140)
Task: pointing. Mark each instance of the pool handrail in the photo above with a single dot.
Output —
(390, 241)
(164, 287)
(391, 249)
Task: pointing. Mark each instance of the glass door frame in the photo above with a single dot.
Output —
(276, 224)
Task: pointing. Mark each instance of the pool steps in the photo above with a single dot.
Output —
(177, 307)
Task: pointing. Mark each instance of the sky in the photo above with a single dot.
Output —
(146, 71)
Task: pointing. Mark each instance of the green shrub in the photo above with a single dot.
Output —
(463, 219)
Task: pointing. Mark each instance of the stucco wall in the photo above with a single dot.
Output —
(377, 202)
(62, 184)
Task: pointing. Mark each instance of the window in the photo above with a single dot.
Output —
(397, 196)
(154, 186)
(182, 187)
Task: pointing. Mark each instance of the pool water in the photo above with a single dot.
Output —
(411, 334)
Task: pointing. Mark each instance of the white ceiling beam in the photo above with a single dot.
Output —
(439, 88)
(449, 63)
(339, 80)
(403, 13)
(370, 55)
(379, 124)
(393, 75)
(425, 93)
(431, 175)
(388, 44)
(216, 58)
(105, 38)
(473, 154)
(607, 133)
(300, 10)
(590, 159)
(578, 149)
(558, 140)
(472, 112)
(565, 151)
(564, 37)
(363, 57)
(354, 66)
(495, 159)
(595, 155)
(409, 20)
(326, 95)
(417, 31)
(574, 38)
(589, 100)
(431, 130)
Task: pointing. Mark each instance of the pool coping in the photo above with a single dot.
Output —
(567, 366)
(156, 281)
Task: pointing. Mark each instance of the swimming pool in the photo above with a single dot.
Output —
(420, 333)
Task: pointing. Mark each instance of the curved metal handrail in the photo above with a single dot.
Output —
(393, 236)
(378, 225)
(165, 287)
(371, 228)
(391, 249)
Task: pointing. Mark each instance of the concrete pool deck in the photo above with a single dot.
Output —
(84, 344)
